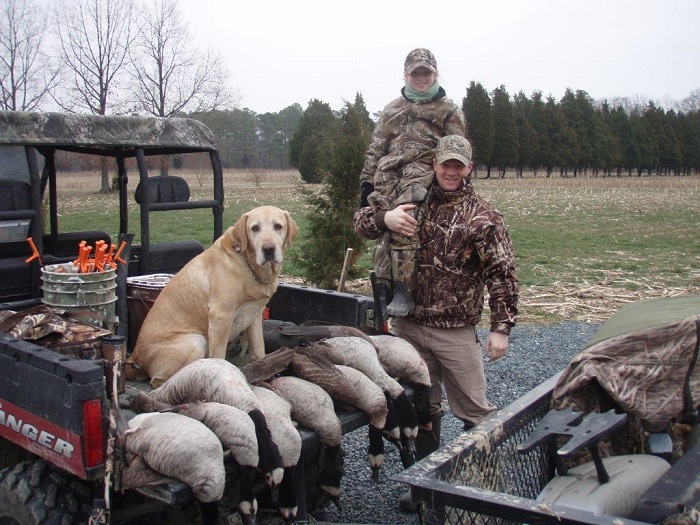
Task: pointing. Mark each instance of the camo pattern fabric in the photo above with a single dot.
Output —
(643, 373)
(465, 248)
(73, 129)
(399, 161)
(399, 157)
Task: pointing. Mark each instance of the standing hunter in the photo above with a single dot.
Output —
(465, 248)
(398, 170)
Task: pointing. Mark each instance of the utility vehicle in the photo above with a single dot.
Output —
(58, 407)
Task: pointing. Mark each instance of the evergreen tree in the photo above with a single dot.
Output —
(480, 131)
(563, 138)
(537, 119)
(528, 142)
(305, 145)
(330, 232)
(505, 146)
(667, 145)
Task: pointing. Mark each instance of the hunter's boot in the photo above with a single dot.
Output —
(402, 265)
(427, 442)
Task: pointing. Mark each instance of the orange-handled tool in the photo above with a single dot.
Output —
(100, 256)
(117, 256)
(35, 252)
(83, 263)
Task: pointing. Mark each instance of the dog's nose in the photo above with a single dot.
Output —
(268, 250)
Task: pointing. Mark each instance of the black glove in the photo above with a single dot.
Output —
(365, 190)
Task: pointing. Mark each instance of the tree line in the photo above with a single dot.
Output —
(570, 137)
(579, 136)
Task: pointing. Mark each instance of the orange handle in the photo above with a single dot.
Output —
(35, 252)
(84, 255)
(117, 256)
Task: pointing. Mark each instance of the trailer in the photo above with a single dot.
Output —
(632, 391)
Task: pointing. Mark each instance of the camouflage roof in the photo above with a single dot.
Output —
(59, 129)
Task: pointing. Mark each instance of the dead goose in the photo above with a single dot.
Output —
(220, 381)
(320, 371)
(313, 408)
(401, 360)
(278, 413)
(177, 447)
(236, 431)
(362, 355)
(372, 401)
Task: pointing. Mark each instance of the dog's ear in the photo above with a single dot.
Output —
(292, 229)
(239, 235)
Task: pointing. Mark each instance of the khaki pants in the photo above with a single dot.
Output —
(455, 360)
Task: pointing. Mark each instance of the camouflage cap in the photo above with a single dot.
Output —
(453, 147)
(419, 57)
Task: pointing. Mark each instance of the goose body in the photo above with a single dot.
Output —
(179, 447)
(361, 354)
(217, 380)
(372, 401)
(236, 431)
(278, 412)
(313, 408)
(322, 372)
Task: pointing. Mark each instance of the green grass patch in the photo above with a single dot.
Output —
(618, 231)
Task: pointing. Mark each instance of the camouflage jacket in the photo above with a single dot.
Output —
(465, 248)
(408, 131)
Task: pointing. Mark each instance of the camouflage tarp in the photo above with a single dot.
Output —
(642, 361)
(59, 129)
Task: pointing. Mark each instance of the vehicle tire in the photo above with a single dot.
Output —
(33, 493)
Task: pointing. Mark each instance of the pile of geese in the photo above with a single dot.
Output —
(211, 411)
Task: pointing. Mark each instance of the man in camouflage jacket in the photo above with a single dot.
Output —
(464, 249)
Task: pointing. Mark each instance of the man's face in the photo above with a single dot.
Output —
(451, 173)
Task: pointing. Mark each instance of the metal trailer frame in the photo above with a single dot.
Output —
(481, 479)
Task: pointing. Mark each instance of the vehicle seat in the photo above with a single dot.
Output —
(630, 477)
(605, 486)
(15, 274)
(163, 188)
(14, 195)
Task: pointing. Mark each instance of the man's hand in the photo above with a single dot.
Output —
(399, 221)
(496, 346)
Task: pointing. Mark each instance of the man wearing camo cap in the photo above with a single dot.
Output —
(398, 170)
(464, 249)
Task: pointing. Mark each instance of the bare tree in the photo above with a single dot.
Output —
(171, 74)
(94, 37)
(27, 76)
(691, 103)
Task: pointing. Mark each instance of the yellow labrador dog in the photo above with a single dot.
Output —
(216, 296)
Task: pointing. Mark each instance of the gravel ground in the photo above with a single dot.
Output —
(536, 352)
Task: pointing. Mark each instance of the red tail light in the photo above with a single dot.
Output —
(266, 314)
(92, 433)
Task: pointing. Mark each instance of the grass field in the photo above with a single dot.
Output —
(584, 246)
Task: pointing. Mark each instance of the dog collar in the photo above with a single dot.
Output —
(237, 248)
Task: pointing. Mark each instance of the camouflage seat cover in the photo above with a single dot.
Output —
(642, 361)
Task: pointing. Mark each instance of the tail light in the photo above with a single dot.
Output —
(266, 314)
(93, 435)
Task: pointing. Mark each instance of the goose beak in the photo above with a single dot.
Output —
(408, 456)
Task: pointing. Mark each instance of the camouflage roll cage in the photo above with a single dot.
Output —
(119, 137)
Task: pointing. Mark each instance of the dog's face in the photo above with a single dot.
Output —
(265, 233)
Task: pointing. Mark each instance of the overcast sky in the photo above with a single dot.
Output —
(284, 51)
